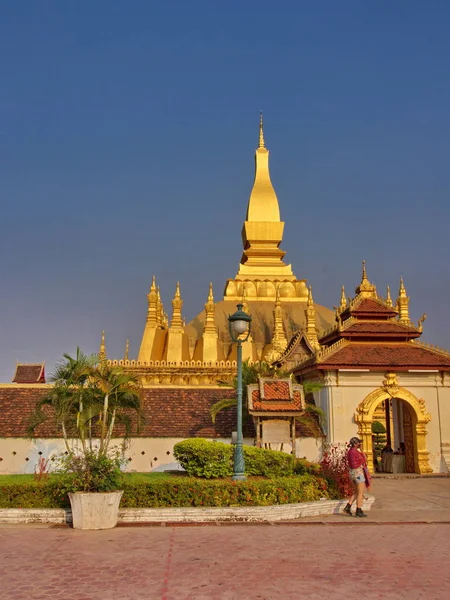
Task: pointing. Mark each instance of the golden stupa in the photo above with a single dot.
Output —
(201, 353)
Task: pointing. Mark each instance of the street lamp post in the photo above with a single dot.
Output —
(239, 325)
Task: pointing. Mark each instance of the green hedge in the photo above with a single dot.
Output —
(210, 460)
(177, 491)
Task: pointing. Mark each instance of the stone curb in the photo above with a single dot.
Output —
(279, 512)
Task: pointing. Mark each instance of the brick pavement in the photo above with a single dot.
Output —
(227, 562)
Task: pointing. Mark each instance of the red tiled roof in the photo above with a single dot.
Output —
(29, 373)
(406, 355)
(381, 328)
(168, 412)
(369, 307)
(260, 405)
(276, 390)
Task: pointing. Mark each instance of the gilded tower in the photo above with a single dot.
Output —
(262, 273)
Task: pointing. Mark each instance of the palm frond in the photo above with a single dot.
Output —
(221, 405)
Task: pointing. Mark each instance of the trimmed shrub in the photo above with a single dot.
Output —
(210, 460)
(200, 458)
(177, 491)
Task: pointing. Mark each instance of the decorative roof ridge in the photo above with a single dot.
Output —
(351, 320)
(329, 330)
(294, 339)
(330, 349)
(24, 364)
(431, 347)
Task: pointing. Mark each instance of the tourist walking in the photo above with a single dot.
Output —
(359, 475)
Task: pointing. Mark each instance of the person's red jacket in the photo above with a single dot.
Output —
(355, 458)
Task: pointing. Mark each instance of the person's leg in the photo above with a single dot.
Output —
(359, 494)
(359, 499)
(352, 498)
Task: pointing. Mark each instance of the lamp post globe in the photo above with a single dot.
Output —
(239, 324)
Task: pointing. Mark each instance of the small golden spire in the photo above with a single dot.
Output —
(403, 303)
(310, 312)
(152, 298)
(210, 325)
(279, 340)
(388, 296)
(261, 131)
(102, 353)
(127, 349)
(177, 305)
(366, 289)
(343, 303)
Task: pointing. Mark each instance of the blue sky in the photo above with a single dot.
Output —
(128, 132)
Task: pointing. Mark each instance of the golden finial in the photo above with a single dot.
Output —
(310, 297)
(177, 305)
(366, 289)
(153, 286)
(261, 131)
(210, 325)
(310, 312)
(388, 296)
(127, 348)
(402, 290)
(102, 353)
(343, 303)
(403, 303)
(279, 340)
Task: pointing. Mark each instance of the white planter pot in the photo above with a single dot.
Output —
(96, 510)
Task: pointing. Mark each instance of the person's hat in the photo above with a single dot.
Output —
(354, 441)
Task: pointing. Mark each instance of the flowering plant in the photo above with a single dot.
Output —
(336, 470)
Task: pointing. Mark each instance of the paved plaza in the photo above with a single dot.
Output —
(377, 558)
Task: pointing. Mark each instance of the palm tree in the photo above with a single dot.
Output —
(116, 394)
(70, 399)
(88, 398)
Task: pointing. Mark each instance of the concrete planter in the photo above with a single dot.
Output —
(97, 510)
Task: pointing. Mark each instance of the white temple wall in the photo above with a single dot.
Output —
(147, 454)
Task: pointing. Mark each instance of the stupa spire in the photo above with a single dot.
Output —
(102, 351)
(366, 289)
(152, 298)
(210, 324)
(403, 304)
(127, 349)
(177, 305)
(261, 131)
(388, 296)
(310, 312)
(210, 336)
(343, 302)
(279, 340)
(262, 267)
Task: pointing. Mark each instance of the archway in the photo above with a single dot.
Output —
(414, 422)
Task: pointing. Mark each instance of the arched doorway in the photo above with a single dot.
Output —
(409, 421)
